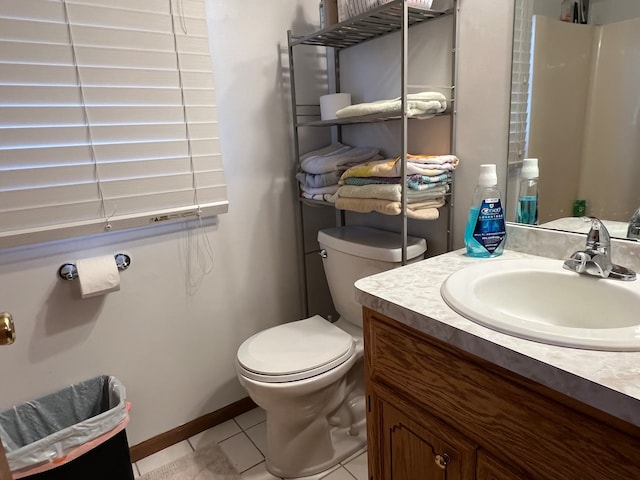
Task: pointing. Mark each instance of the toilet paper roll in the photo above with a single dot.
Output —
(330, 104)
(98, 276)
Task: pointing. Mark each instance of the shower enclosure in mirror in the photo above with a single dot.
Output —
(575, 105)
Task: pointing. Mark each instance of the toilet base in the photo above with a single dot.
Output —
(345, 446)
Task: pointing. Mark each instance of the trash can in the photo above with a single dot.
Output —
(76, 433)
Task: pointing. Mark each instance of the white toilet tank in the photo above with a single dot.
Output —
(354, 252)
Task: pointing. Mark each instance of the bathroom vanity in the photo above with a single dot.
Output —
(449, 398)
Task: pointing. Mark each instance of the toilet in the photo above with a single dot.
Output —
(308, 375)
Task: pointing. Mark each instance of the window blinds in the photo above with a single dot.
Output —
(108, 117)
(520, 81)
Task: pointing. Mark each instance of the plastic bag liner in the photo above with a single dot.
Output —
(46, 432)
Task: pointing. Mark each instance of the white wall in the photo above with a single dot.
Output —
(175, 352)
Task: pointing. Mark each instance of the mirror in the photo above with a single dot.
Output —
(575, 105)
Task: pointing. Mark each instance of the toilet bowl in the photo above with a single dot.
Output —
(308, 375)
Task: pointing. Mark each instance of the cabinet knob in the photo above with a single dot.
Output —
(443, 460)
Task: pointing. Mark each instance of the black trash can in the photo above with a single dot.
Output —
(75, 434)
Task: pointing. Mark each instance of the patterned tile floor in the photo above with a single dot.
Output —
(243, 440)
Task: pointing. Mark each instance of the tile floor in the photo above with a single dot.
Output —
(243, 440)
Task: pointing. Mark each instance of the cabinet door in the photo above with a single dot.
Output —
(418, 447)
(488, 468)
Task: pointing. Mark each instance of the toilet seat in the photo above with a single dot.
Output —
(295, 351)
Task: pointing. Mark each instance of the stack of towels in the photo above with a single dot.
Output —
(320, 170)
(376, 186)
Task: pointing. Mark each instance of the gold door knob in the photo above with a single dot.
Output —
(7, 329)
(442, 460)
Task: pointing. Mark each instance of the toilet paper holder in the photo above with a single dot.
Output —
(68, 271)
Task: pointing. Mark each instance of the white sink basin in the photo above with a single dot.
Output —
(538, 300)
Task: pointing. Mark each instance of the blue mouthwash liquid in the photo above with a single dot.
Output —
(527, 211)
(485, 231)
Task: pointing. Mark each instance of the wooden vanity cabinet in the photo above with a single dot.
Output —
(419, 446)
(436, 412)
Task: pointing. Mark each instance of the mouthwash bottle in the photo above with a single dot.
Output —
(527, 209)
(485, 233)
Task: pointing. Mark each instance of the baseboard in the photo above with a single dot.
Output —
(189, 429)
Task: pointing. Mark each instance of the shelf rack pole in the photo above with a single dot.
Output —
(302, 269)
(454, 113)
(403, 129)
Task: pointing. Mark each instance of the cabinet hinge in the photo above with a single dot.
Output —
(369, 403)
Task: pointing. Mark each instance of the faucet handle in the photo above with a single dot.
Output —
(598, 238)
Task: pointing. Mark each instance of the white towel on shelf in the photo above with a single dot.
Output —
(417, 104)
(328, 150)
(318, 164)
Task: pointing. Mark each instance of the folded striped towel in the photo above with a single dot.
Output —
(392, 168)
(414, 182)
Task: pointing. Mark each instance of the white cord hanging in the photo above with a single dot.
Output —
(85, 115)
(203, 251)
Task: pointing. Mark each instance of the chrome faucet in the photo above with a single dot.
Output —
(595, 259)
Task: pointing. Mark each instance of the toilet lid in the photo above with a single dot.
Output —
(294, 351)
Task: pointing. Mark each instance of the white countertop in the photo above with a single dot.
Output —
(609, 381)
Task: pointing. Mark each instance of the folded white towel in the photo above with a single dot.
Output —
(342, 159)
(328, 150)
(417, 104)
(434, 159)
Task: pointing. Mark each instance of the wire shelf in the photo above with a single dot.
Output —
(371, 24)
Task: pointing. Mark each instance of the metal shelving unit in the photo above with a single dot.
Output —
(395, 16)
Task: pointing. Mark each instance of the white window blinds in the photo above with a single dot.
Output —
(108, 117)
(520, 81)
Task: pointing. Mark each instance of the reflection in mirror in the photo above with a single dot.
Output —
(575, 105)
